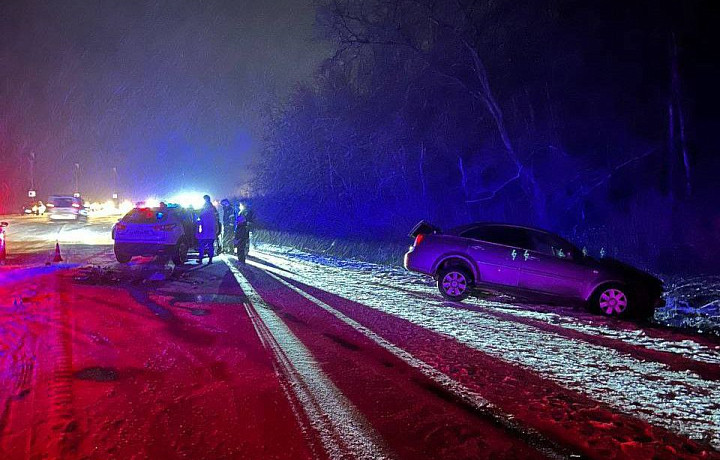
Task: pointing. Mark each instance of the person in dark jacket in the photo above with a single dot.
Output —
(228, 226)
(208, 223)
(218, 230)
(242, 238)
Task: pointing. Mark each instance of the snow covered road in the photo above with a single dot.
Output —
(677, 399)
(298, 356)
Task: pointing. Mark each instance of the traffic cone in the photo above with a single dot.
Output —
(58, 257)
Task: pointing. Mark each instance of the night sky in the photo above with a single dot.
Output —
(171, 92)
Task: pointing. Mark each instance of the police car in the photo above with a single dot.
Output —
(157, 231)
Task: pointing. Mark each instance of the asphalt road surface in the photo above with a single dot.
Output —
(292, 357)
(31, 239)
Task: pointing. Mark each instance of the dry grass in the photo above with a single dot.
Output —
(386, 253)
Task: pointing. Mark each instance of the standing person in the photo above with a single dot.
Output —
(228, 225)
(218, 230)
(242, 238)
(207, 230)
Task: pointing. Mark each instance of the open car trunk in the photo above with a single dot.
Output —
(423, 228)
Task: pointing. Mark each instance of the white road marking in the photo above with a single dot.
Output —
(343, 431)
(468, 396)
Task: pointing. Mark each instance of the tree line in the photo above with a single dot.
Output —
(558, 114)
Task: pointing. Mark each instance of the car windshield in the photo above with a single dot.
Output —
(146, 216)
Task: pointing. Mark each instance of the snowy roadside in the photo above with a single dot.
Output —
(678, 400)
(692, 303)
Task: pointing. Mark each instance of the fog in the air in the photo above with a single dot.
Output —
(170, 92)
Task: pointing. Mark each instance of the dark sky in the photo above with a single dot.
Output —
(171, 92)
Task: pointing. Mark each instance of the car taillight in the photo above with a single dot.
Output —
(120, 226)
(165, 228)
(419, 239)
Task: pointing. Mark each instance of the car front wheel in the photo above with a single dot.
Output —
(612, 300)
(454, 283)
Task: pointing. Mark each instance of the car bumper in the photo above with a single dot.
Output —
(144, 249)
(63, 216)
(408, 261)
(414, 262)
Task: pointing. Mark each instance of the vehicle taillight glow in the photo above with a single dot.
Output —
(120, 226)
(419, 239)
(165, 228)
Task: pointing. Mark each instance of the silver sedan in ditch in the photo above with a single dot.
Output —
(529, 263)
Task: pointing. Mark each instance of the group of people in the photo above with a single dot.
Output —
(230, 231)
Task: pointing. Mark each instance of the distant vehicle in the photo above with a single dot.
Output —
(66, 207)
(529, 263)
(3, 249)
(164, 230)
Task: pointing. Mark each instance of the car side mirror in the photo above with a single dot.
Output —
(3, 224)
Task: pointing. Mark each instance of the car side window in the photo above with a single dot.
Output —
(477, 233)
(543, 244)
(552, 246)
(508, 236)
(517, 237)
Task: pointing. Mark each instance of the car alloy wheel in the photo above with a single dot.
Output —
(613, 301)
(454, 284)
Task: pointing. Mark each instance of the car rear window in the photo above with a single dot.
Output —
(62, 202)
(146, 216)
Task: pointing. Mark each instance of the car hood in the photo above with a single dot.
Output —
(626, 271)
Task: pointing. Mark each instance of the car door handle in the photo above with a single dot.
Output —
(482, 248)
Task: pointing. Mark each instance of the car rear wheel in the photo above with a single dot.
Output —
(612, 300)
(181, 252)
(454, 283)
(121, 257)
